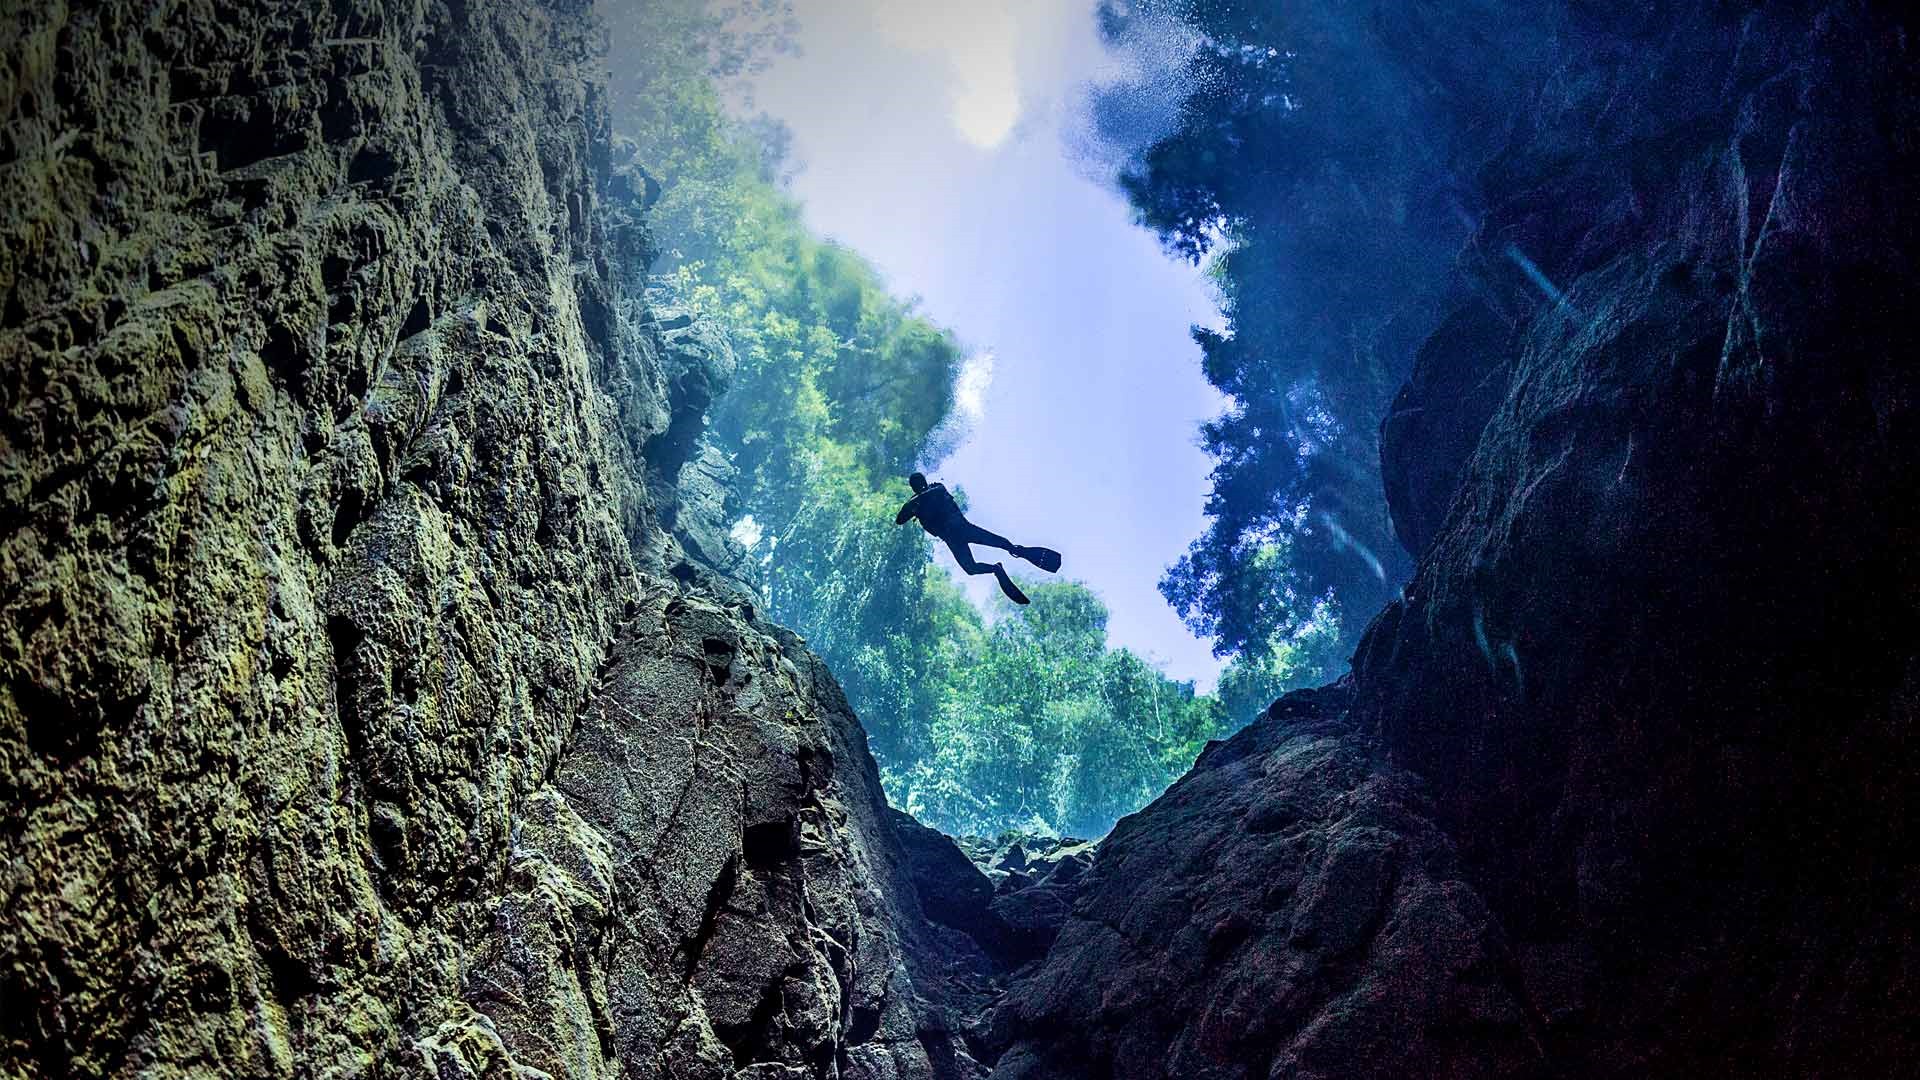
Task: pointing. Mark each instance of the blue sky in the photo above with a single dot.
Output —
(932, 139)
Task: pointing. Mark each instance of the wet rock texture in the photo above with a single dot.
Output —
(1624, 785)
(1288, 908)
(1009, 895)
(365, 706)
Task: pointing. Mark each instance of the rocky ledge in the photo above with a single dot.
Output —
(1288, 908)
(376, 694)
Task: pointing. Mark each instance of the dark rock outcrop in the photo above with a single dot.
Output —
(1459, 377)
(714, 831)
(1625, 784)
(1658, 667)
(954, 892)
(1288, 908)
(359, 713)
(1035, 882)
(1010, 902)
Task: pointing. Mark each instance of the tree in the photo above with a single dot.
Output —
(1048, 730)
(1298, 164)
(1256, 678)
(1026, 720)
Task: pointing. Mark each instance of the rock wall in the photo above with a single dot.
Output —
(1624, 784)
(358, 713)
(1290, 908)
(1659, 665)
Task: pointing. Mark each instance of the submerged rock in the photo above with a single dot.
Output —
(1036, 880)
(1287, 908)
(361, 713)
(1624, 784)
(1011, 903)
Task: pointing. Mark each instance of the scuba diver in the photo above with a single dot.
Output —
(941, 517)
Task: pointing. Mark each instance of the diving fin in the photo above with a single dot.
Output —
(1007, 586)
(1045, 558)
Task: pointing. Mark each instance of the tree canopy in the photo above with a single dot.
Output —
(1298, 167)
(1014, 718)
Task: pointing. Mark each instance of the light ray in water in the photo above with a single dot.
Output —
(1480, 637)
(1519, 680)
(1507, 649)
(1346, 539)
(1535, 275)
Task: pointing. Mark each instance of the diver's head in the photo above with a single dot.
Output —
(918, 482)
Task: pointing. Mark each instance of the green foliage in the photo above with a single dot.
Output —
(1301, 162)
(1043, 728)
(1256, 678)
(1024, 721)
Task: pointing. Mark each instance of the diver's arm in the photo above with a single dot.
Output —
(906, 512)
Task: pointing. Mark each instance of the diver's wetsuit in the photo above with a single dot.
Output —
(941, 517)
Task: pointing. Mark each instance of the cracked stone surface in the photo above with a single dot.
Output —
(361, 710)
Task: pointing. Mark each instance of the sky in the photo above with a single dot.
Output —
(931, 137)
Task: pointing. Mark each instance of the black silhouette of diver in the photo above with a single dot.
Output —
(941, 517)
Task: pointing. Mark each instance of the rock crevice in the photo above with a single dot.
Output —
(376, 693)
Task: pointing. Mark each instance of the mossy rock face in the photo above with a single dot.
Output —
(345, 696)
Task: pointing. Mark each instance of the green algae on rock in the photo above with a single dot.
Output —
(359, 713)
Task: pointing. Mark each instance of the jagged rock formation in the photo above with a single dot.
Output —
(688, 476)
(1035, 880)
(956, 894)
(1010, 895)
(1624, 784)
(1287, 909)
(359, 714)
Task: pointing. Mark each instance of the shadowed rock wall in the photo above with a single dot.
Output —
(1288, 908)
(357, 715)
(1661, 664)
(1623, 785)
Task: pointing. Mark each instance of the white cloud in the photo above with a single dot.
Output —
(979, 43)
(970, 389)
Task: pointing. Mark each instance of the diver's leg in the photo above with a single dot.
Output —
(1045, 558)
(963, 555)
(1041, 557)
(974, 534)
(1007, 586)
